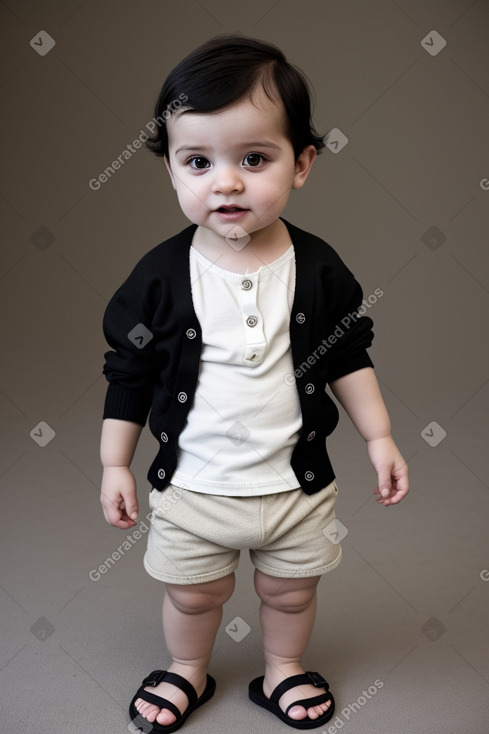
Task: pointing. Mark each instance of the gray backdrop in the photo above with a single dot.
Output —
(405, 202)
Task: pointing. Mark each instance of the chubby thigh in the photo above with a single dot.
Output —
(196, 537)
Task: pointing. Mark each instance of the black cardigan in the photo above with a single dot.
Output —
(152, 327)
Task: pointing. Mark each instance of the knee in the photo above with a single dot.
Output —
(286, 595)
(198, 598)
(292, 602)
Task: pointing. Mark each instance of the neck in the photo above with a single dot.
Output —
(263, 247)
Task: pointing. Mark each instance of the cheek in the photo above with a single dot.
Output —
(189, 199)
(272, 195)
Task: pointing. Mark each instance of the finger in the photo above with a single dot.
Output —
(131, 508)
(401, 488)
(398, 496)
(112, 512)
(124, 523)
(385, 483)
(398, 493)
(118, 518)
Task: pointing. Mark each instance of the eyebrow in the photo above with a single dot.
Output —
(251, 145)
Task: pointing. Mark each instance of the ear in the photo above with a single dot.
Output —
(303, 166)
(168, 168)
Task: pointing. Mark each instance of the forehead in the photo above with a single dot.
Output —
(257, 114)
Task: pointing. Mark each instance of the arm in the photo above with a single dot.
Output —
(118, 492)
(131, 369)
(359, 394)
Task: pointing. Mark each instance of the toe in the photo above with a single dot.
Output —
(318, 710)
(166, 717)
(146, 709)
(152, 713)
(297, 713)
(322, 708)
(315, 711)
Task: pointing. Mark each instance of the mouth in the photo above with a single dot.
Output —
(230, 209)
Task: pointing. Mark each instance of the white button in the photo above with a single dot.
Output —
(309, 476)
(182, 397)
(300, 318)
(246, 285)
(253, 355)
(191, 333)
(161, 473)
(164, 437)
(311, 435)
(252, 321)
(309, 388)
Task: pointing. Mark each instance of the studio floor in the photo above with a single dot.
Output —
(401, 631)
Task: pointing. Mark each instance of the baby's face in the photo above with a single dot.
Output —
(233, 170)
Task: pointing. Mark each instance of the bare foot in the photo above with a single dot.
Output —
(276, 676)
(195, 676)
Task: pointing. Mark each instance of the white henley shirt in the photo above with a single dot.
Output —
(245, 419)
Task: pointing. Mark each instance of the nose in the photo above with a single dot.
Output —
(227, 180)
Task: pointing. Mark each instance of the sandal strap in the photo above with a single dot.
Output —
(301, 679)
(157, 676)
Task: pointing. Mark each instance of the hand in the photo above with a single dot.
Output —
(392, 471)
(118, 497)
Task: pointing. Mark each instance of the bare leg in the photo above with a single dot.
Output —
(191, 619)
(287, 615)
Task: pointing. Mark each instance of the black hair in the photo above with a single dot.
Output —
(223, 71)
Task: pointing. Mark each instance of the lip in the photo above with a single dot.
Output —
(230, 212)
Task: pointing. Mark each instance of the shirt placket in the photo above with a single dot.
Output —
(254, 334)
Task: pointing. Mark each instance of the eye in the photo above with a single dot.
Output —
(198, 162)
(253, 159)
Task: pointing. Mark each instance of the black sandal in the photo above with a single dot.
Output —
(157, 676)
(271, 704)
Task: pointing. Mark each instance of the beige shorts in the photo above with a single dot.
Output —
(196, 537)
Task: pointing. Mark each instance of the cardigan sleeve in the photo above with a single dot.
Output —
(350, 331)
(131, 367)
